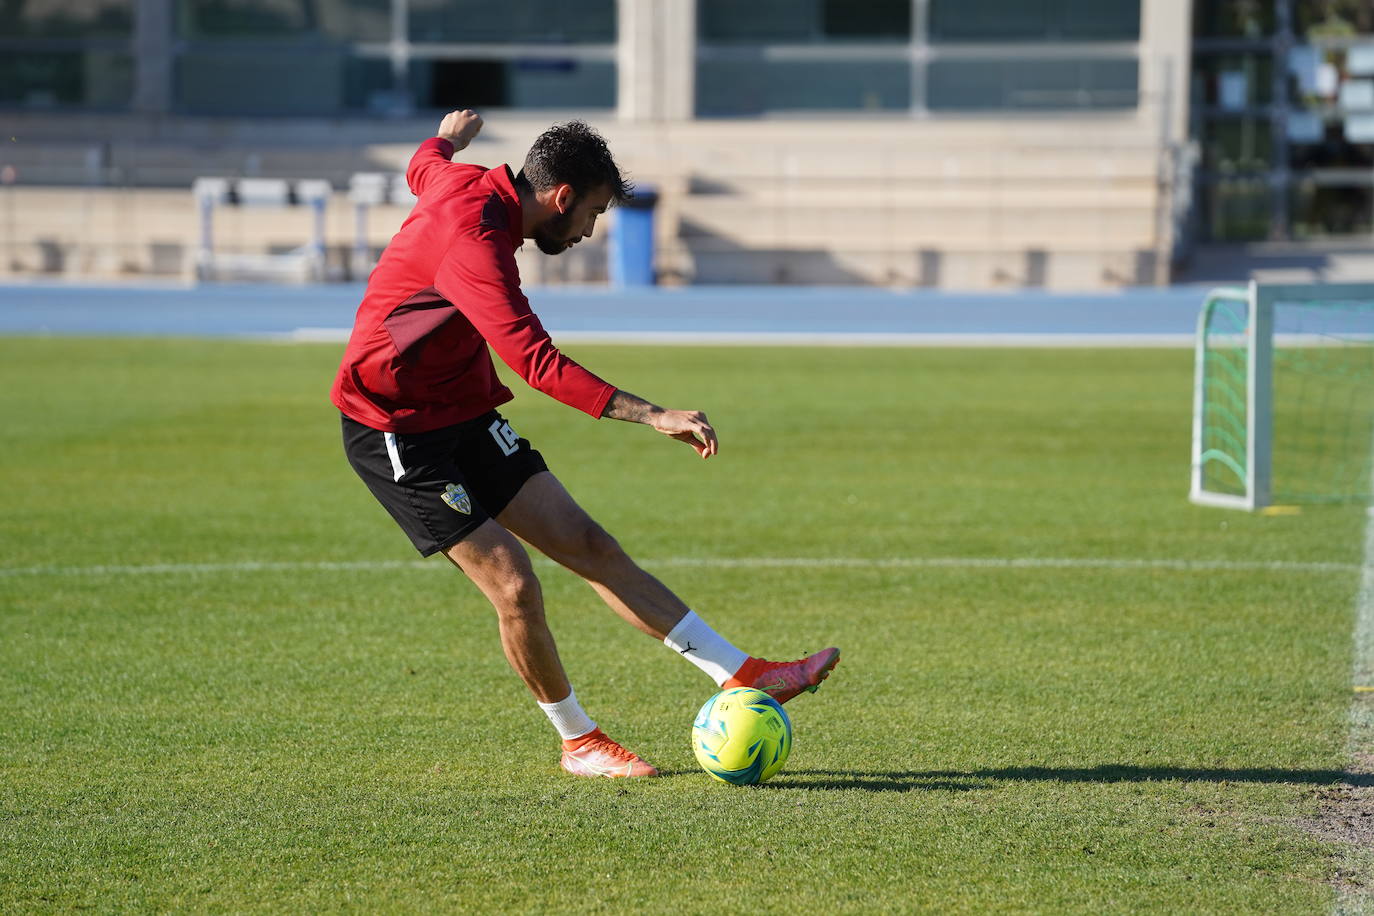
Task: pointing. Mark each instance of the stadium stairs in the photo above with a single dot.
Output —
(955, 204)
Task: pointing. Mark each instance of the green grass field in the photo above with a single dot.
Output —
(199, 712)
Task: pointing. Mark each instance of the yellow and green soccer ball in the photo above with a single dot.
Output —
(742, 736)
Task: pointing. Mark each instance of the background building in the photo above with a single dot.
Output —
(951, 143)
(1283, 109)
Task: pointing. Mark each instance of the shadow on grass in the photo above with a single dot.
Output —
(970, 780)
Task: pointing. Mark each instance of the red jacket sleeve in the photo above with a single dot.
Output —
(478, 275)
(432, 156)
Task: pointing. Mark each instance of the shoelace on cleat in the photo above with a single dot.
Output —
(608, 747)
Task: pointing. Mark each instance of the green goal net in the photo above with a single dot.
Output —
(1283, 401)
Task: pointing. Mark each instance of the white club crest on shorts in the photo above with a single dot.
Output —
(457, 498)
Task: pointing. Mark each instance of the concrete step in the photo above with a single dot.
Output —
(745, 227)
(937, 195)
(967, 270)
(895, 165)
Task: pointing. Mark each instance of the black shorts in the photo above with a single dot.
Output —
(441, 485)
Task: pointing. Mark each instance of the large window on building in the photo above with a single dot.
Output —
(1033, 84)
(1330, 127)
(266, 56)
(57, 54)
(803, 55)
(804, 21)
(1282, 100)
(342, 20)
(551, 21)
(288, 57)
(1230, 100)
(386, 57)
(519, 81)
(67, 18)
(760, 58)
(1033, 55)
(776, 56)
(755, 86)
(535, 54)
(1034, 20)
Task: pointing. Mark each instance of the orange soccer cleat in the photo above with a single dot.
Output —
(594, 754)
(784, 680)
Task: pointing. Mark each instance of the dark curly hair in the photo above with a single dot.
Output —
(576, 155)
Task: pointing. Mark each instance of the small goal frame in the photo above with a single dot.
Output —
(1255, 468)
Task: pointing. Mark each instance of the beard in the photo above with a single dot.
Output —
(552, 236)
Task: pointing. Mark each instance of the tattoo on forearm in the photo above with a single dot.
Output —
(625, 406)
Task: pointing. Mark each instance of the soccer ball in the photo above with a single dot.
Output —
(742, 736)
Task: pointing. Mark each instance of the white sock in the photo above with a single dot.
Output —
(695, 641)
(567, 716)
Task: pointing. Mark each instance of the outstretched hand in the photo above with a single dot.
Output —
(459, 127)
(690, 426)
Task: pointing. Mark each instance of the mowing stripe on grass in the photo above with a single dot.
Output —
(726, 563)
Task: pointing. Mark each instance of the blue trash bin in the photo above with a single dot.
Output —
(632, 240)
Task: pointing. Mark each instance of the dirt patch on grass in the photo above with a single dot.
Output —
(1347, 808)
(1346, 816)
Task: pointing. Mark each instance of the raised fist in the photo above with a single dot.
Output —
(459, 127)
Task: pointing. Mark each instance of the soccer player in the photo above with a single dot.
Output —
(419, 395)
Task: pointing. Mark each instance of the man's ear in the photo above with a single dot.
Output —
(563, 198)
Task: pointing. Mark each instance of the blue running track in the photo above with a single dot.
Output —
(799, 314)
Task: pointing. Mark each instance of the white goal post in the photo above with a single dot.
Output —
(1321, 338)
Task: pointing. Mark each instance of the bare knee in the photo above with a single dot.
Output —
(512, 588)
(496, 563)
(518, 597)
(592, 549)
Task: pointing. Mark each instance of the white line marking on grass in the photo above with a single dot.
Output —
(1118, 563)
(135, 569)
(1003, 563)
(1363, 673)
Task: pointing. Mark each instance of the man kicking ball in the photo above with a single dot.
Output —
(419, 392)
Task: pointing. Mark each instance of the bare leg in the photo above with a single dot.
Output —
(497, 563)
(545, 515)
